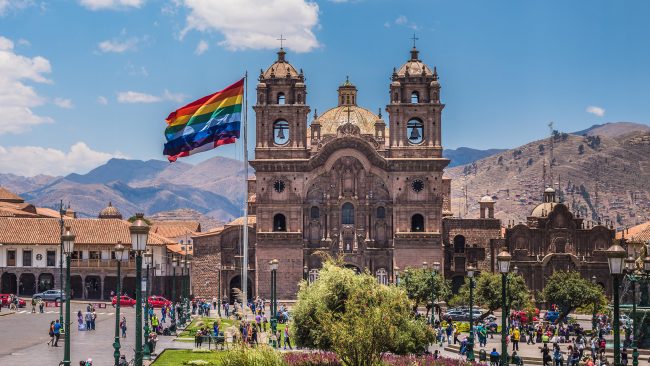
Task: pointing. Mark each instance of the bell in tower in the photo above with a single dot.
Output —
(415, 134)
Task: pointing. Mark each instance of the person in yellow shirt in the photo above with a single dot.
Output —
(516, 335)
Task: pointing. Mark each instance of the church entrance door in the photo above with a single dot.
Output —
(235, 289)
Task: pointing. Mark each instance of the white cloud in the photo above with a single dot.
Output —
(403, 21)
(16, 97)
(138, 97)
(102, 100)
(6, 5)
(118, 46)
(33, 160)
(63, 103)
(256, 24)
(133, 70)
(111, 4)
(201, 47)
(597, 111)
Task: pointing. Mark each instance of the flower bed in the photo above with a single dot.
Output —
(330, 359)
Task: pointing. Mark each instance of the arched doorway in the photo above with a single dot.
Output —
(93, 287)
(353, 267)
(27, 284)
(45, 282)
(76, 287)
(459, 244)
(8, 283)
(235, 289)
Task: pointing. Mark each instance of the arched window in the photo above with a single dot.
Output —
(417, 223)
(415, 130)
(314, 212)
(299, 98)
(381, 212)
(281, 98)
(396, 98)
(382, 276)
(313, 275)
(279, 223)
(280, 132)
(459, 244)
(347, 214)
(415, 97)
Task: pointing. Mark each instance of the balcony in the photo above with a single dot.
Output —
(99, 263)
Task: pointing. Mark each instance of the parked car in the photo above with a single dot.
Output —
(50, 295)
(158, 302)
(475, 315)
(5, 300)
(455, 315)
(522, 316)
(124, 301)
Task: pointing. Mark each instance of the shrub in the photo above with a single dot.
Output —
(311, 359)
(244, 356)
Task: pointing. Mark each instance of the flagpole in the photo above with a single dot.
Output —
(244, 281)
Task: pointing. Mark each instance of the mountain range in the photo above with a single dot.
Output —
(612, 164)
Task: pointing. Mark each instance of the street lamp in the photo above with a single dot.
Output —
(173, 309)
(146, 353)
(139, 231)
(593, 317)
(121, 255)
(219, 294)
(503, 263)
(305, 270)
(273, 265)
(616, 259)
(68, 247)
(470, 344)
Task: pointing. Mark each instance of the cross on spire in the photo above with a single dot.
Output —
(414, 39)
(281, 39)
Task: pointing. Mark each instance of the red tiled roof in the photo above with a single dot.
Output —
(87, 231)
(638, 233)
(8, 196)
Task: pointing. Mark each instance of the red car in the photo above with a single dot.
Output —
(523, 316)
(158, 302)
(124, 301)
(5, 300)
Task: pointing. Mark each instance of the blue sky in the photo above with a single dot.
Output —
(82, 81)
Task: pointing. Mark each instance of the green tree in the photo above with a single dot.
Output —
(422, 287)
(356, 317)
(487, 292)
(569, 290)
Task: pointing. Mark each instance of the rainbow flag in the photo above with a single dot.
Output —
(206, 123)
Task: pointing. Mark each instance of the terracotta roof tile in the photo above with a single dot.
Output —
(252, 220)
(180, 249)
(87, 231)
(8, 196)
(638, 233)
(169, 231)
(189, 224)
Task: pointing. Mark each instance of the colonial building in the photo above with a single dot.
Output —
(349, 184)
(30, 256)
(554, 239)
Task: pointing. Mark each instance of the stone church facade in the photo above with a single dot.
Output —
(349, 184)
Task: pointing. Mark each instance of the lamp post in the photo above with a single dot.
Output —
(181, 313)
(121, 254)
(219, 294)
(470, 344)
(146, 352)
(68, 247)
(630, 265)
(593, 316)
(173, 310)
(187, 287)
(305, 270)
(61, 214)
(139, 231)
(616, 258)
(503, 263)
(273, 265)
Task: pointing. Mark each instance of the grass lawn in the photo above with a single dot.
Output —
(174, 357)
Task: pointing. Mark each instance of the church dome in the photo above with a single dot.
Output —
(331, 120)
(110, 212)
(414, 66)
(543, 209)
(281, 68)
(486, 199)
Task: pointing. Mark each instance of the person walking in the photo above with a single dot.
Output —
(51, 334)
(33, 305)
(57, 332)
(88, 319)
(287, 339)
(80, 321)
(93, 319)
(123, 326)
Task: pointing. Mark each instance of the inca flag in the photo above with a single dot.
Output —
(206, 123)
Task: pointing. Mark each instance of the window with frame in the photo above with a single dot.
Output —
(50, 258)
(382, 276)
(281, 98)
(415, 131)
(94, 254)
(11, 258)
(381, 212)
(313, 275)
(417, 223)
(415, 97)
(314, 212)
(347, 214)
(279, 223)
(77, 254)
(27, 258)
